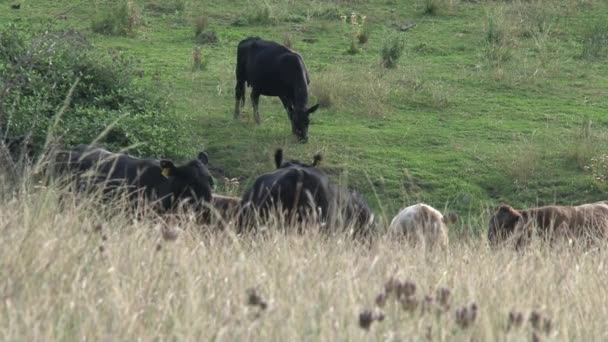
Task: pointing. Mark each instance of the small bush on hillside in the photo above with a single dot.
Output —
(118, 19)
(437, 7)
(200, 25)
(166, 6)
(598, 166)
(207, 37)
(595, 41)
(363, 93)
(496, 49)
(197, 59)
(359, 32)
(38, 72)
(261, 15)
(431, 7)
(288, 40)
(392, 49)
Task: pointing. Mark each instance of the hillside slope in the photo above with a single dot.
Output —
(490, 102)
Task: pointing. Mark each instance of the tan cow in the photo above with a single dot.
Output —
(423, 223)
(550, 222)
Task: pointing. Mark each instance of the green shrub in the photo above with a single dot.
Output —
(40, 71)
(595, 42)
(166, 6)
(261, 15)
(117, 19)
(392, 49)
(200, 25)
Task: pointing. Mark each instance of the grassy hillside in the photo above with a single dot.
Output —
(492, 101)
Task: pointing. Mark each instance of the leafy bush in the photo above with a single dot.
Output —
(595, 42)
(200, 25)
(118, 19)
(166, 6)
(392, 49)
(36, 74)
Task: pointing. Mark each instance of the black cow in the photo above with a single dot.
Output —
(154, 179)
(19, 146)
(301, 191)
(271, 69)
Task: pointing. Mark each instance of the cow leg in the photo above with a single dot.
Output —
(255, 100)
(288, 107)
(239, 95)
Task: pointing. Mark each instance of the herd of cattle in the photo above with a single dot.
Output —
(296, 194)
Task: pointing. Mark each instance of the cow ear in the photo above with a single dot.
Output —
(278, 157)
(167, 168)
(450, 218)
(313, 109)
(203, 157)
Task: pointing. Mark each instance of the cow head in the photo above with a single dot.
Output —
(504, 223)
(301, 120)
(278, 160)
(190, 182)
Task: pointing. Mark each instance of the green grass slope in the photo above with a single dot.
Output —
(490, 102)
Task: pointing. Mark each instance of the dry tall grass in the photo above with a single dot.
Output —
(79, 270)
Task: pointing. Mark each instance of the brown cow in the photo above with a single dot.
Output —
(587, 220)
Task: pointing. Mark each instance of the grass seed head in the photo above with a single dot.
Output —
(381, 300)
(366, 318)
(465, 316)
(516, 319)
(255, 299)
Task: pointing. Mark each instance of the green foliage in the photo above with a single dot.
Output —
(261, 15)
(431, 7)
(200, 25)
(117, 19)
(42, 69)
(166, 6)
(496, 49)
(595, 41)
(392, 49)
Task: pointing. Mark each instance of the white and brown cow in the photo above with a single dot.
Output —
(421, 223)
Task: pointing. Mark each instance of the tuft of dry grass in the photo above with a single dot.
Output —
(201, 23)
(364, 92)
(197, 59)
(74, 268)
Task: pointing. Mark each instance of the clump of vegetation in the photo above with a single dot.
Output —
(365, 93)
(118, 19)
(261, 15)
(41, 70)
(288, 40)
(197, 59)
(202, 35)
(496, 50)
(431, 7)
(595, 42)
(437, 7)
(207, 37)
(598, 166)
(200, 24)
(166, 6)
(392, 49)
(359, 31)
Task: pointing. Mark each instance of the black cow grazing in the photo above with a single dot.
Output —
(156, 180)
(271, 69)
(303, 192)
